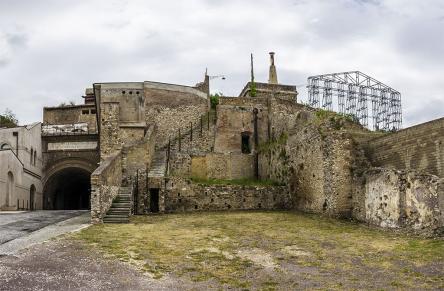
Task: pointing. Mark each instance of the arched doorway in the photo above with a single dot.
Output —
(9, 189)
(32, 197)
(68, 188)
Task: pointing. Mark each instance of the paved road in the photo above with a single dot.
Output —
(14, 225)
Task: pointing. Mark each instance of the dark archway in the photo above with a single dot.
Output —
(68, 188)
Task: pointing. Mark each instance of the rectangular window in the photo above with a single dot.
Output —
(93, 111)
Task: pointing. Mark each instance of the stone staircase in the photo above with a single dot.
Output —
(120, 209)
(158, 166)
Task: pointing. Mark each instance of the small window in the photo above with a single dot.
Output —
(85, 111)
(32, 155)
(131, 92)
(137, 92)
(123, 92)
(93, 111)
(246, 149)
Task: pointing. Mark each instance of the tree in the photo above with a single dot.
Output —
(8, 119)
(214, 100)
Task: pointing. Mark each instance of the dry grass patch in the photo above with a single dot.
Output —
(271, 250)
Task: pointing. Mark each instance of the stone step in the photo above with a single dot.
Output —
(121, 205)
(118, 212)
(105, 220)
(117, 215)
(123, 198)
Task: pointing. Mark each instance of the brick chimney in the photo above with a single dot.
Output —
(272, 75)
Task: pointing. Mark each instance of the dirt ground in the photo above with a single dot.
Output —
(229, 250)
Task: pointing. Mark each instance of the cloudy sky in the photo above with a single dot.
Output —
(50, 50)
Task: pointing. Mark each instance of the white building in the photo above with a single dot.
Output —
(21, 167)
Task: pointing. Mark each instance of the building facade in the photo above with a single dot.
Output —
(21, 168)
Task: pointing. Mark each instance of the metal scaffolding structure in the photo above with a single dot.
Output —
(355, 93)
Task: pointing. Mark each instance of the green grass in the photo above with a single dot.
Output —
(271, 250)
(241, 182)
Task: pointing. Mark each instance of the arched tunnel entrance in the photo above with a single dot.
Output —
(68, 188)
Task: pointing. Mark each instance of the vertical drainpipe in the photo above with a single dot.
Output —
(256, 144)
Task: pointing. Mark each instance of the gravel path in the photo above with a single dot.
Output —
(68, 265)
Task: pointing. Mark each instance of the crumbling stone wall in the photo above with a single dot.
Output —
(110, 140)
(71, 114)
(234, 117)
(105, 184)
(136, 161)
(396, 198)
(171, 107)
(314, 155)
(183, 195)
(266, 90)
(419, 147)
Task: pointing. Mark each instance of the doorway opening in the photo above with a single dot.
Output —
(10, 189)
(246, 147)
(32, 198)
(154, 200)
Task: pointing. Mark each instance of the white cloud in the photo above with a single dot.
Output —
(50, 50)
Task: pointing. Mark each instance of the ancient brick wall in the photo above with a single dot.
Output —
(395, 198)
(183, 195)
(420, 147)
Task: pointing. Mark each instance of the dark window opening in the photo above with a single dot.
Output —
(154, 200)
(85, 111)
(93, 111)
(123, 92)
(246, 149)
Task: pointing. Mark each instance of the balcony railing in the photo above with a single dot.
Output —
(67, 129)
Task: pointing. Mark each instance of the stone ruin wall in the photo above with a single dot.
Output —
(184, 195)
(328, 171)
(171, 110)
(313, 160)
(110, 139)
(105, 184)
(400, 198)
